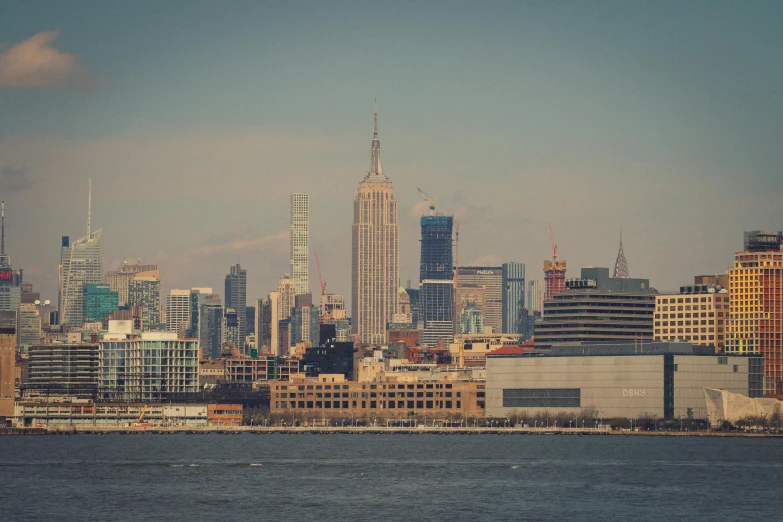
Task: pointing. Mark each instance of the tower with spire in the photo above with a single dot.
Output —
(81, 263)
(375, 259)
(621, 265)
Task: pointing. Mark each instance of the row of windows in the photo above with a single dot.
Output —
(702, 299)
(372, 387)
(344, 405)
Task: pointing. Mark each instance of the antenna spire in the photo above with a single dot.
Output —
(2, 234)
(89, 208)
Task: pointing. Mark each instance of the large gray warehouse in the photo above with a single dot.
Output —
(657, 379)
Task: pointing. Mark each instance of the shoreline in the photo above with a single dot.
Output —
(371, 430)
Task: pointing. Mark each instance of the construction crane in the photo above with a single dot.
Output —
(429, 200)
(322, 304)
(554, 246)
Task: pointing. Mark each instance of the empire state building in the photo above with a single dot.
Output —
(375, 273)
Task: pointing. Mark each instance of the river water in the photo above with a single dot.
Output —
(389, 477)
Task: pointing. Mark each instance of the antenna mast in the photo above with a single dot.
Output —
(2, 234)
(89, 209)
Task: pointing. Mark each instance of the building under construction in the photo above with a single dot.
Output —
(554, 277)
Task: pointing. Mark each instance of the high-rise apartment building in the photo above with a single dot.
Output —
(535, 296)
(304, 321)
(144, 292)
(286, 293)
(263, 326)
(300, 242)
(375, 260)
(697, 314)
(436, 279)
(178, 312)
(275, 343)
(491, 278)
(28, 330)
(231, 328)
(755, 324)
(210, 326)
(198, 297)
(513, 297)
(236, 298)
(118, 280)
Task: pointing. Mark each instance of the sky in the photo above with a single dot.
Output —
(197, 120)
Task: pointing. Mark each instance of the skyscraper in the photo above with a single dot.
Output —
(10, 280)
(144, 292)
(99, 302)
(300, 241)
(210, 326)
(375, 271)
(236, 298)
(755, 324)
(513, 296)
(81, 263)
(535, 296)
(119, 279)
(436, 279)
(178, 312)
(491, 278)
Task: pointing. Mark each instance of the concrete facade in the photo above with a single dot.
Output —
(665, 385)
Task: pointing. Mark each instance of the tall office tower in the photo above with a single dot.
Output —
(263, 320)
(491, 278)
(81, 263)
(178, 312)
(119, 279)
(513, 296)
(10, 280)
(535, 296)
(275, 308)
(621, 265)
(755, 324)
(28, 330)
(99, 302)
(236, 298)
(210, 326)
(231, 328)
(304, 321)
(144, 292)
(286, 297)
(300, 241)
(198, 297)
(375, 260)
(436, 279)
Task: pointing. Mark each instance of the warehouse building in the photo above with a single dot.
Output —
(631, 380)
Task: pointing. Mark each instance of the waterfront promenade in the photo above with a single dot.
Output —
(373, 430)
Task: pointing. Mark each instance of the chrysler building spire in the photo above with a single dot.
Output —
(621, 265)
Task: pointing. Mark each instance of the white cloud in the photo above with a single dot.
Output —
(36, 63)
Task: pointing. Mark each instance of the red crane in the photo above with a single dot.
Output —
(320, 276)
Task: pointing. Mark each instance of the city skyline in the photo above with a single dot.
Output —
(514, 127)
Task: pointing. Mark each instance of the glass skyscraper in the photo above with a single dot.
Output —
(513, 297)
(99, 302)
(236, 298)
(436, 278)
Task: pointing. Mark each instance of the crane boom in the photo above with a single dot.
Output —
(429, 200)
(554, 246)
(320, 275)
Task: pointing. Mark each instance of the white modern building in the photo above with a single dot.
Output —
(81, 262)
(178, 311)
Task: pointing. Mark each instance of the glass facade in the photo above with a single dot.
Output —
(99, 302)
(513, 297)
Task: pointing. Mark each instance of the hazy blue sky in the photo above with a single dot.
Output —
(196, 120)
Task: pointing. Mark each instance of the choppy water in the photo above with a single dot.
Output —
(389, 477)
